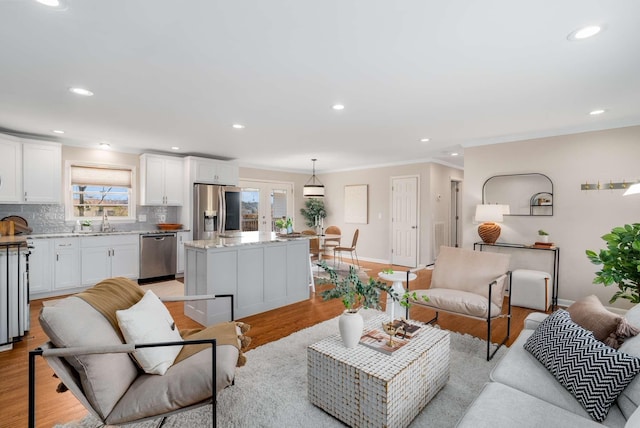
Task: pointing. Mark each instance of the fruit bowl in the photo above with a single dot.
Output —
(169, 226)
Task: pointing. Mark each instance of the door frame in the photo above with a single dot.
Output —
(418, 220)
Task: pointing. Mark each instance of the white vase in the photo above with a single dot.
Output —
(351, 325)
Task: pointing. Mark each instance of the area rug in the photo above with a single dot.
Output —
(271, 389)
(321, 276)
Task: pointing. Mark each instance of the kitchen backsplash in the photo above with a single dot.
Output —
(50, 218)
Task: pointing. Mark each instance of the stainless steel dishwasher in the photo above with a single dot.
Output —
(157, 255)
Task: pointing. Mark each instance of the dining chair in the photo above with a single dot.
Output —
(314, 254)
(331, 243)
(351, 250)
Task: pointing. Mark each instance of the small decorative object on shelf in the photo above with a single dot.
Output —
(378, 340)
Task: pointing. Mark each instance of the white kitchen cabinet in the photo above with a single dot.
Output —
(213, 171)
(161, 180)
(182, 238)
(109, 256)
(10, 170)
(42, 173)
(66, 264)
(30, 172)
(40, 266)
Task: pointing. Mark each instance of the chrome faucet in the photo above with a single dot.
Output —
(106, 227)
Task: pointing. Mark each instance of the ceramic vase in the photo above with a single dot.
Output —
(544, 238)
(351, 325)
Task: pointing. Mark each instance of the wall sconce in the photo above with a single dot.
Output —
(489, 215)
(634, 189)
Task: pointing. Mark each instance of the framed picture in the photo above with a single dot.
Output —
(356, 204)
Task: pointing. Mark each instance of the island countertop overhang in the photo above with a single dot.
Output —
(234, 239)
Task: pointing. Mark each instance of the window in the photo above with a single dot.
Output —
(95, 190)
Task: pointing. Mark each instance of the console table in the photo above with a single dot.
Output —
(555, 252)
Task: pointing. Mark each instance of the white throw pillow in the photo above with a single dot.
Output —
(149, 321)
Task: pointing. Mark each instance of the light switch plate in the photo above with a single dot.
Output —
(142, 217)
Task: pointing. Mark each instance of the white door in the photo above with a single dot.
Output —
(263, 202)
(404, 221)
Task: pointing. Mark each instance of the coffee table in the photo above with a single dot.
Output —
(364, 387)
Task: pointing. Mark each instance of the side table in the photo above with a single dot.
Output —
(397, 278)
(364, 387)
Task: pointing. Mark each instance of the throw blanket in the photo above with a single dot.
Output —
(114, 294)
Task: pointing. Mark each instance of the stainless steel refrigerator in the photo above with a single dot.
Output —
(215, 209)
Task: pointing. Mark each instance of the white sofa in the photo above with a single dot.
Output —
(523, 393)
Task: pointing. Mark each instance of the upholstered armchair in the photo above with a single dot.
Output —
(470, 284)
(93, 358)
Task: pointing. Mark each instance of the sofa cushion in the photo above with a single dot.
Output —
(149, 321)
(593, 372)
(73, 322)
(499, 405)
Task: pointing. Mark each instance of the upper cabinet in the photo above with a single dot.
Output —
(161, 180)
(524, 194)
(30, 172)
(213, 171)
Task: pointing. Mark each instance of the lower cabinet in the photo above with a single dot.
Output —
(182, 238)
(66, 273)
(40, 266)
(109, 256)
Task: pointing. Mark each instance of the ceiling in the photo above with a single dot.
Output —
(459, 72)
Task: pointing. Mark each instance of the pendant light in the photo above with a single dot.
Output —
(313, 188)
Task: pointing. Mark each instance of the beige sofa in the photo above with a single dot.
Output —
(523, 393)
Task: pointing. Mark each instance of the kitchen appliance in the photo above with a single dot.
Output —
(158, 253)
(14, 292)
(215, 209)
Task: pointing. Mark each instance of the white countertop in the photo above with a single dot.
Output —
(233, 239)
(97, 233)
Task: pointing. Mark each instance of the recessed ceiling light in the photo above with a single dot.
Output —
(596, 112)
(337, 107)
(81, 91)
(424, 140)
(105, 146)
(175, 148)
(584, 32)
(455, 154)
(50, 3)
(238, 126)
(57, 131)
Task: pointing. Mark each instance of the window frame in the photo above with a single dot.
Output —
(68, 194)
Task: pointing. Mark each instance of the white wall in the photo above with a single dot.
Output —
(580, 217)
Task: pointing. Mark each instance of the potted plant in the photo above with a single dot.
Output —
(281, 224)
(620, 262)
(356, 294)
(543, 236)
(314, 210)
(86, 225)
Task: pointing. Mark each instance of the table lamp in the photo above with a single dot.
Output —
(488, 215)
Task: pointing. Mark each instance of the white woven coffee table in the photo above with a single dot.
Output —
(364, 387)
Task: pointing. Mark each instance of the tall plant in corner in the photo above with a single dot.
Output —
(620, 262)
(314, 208)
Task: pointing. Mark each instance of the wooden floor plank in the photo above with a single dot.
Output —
(266, 327)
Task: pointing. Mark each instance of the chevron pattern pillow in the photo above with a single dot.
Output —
(594, 373)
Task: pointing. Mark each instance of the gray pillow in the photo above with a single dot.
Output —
(594, 373)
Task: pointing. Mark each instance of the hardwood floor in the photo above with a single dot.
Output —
(266, 327)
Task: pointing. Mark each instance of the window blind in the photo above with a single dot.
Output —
(94, 176)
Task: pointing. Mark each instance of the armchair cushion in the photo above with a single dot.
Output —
(460, 302)
(72, 322)
(471, 271)
(149, 321)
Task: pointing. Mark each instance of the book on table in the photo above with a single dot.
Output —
(379, 340)
(410, 330)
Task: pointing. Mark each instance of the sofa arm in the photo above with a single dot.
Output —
(533, 320)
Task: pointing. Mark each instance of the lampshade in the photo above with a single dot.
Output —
(314, 188)
(489, 231)
(632, 190)
(490, 212)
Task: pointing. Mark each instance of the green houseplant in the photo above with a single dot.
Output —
(314, 208)
(620, 262)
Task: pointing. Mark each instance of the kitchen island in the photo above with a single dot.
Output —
(263, 271)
